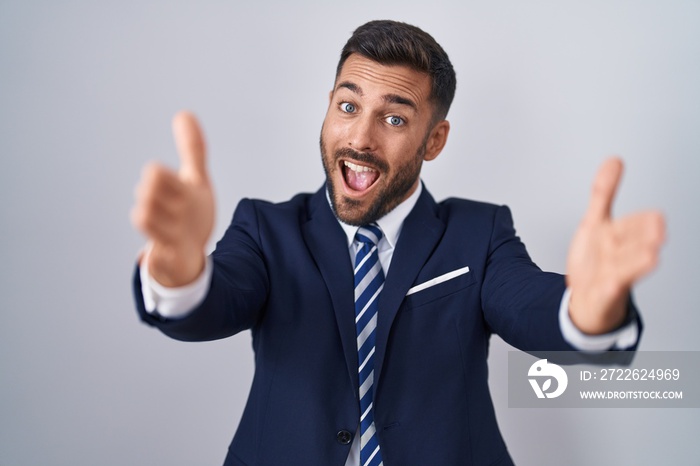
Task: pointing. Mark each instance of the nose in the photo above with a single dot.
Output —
(362, 135)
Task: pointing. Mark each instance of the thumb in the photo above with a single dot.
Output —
(190, 146)
(604, 188)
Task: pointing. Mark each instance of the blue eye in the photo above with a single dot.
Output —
(395, 121)
(347, 107)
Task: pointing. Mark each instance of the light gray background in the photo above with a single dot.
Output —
(545, 91)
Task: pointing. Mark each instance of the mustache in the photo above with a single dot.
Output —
(367, 158)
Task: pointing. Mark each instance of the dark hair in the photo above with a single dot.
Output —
(394, 43)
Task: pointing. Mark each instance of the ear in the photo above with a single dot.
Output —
(330, 97)
(436, 140)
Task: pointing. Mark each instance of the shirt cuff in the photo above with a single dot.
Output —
(175, 302)
(622, 338)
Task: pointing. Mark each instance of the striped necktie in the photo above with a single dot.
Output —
(369, 281)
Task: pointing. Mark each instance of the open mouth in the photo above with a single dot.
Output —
(358, 178)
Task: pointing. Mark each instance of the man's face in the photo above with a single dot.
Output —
(376, 134)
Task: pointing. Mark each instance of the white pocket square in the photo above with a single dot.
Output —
(438, 280)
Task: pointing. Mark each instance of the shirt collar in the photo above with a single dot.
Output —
(391, 223)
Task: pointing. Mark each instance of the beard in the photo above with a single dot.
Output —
(394, 184)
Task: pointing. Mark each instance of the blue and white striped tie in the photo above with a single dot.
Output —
(369, 281)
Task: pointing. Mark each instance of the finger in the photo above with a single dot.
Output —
(159, 181)
(643, 227)
(160, 222)
(633, 263)
(604, 188)
(637, 245)
(162, 230)
(155, 225)
(159, 185)
(159, 197)
(191, 148)
(153, 219)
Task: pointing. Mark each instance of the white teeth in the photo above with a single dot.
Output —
(357, 168)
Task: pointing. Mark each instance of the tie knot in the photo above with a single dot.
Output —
(369, 234)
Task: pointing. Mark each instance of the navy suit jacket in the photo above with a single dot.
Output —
(284, 272)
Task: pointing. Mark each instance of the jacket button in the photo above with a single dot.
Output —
(344, 437)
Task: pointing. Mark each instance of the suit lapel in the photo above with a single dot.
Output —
(329, 247)
(420, 233)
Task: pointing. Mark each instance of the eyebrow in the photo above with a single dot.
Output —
(397, 99)
(352, 86)
(388, 98)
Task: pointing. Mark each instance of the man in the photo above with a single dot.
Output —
(370, 305)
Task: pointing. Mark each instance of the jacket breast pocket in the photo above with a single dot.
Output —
(439, 287)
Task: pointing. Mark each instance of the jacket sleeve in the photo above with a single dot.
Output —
(521, 302)
(237, 292)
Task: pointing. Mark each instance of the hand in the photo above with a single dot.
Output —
(175, 210)
(608, 255)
